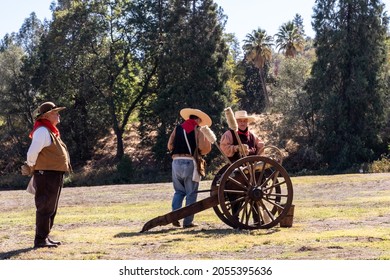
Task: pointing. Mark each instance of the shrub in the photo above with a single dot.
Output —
(380, 166)
(13, 181)
(125, 168)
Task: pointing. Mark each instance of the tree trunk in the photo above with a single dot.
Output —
(119, 145)
(264, 88)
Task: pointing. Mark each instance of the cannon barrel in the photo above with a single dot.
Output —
(181, 213)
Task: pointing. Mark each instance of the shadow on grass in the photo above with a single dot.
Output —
(131, 234)
(211, 232)
(10, 254)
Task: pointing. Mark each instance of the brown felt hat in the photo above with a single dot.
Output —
(46, 107)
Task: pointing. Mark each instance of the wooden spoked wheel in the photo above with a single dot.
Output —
(254, 192)
(214, 191)
(272, 152)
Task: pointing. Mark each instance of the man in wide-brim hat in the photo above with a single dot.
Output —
(204, 119)
(46, 108)
(183, 142)
(251, 143)
(47, 161)
(229, 145)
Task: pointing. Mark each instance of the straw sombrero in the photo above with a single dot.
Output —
(243, 115)
(205, 119)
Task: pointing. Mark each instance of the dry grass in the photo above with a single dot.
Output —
(336, 217)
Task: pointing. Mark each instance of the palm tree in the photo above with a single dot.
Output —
(258, 50)
(290, 39)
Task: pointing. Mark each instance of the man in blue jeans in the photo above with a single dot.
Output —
(183, 142)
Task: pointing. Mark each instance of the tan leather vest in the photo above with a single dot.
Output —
(54, 157)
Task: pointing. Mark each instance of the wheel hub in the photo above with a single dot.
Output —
(256, 194)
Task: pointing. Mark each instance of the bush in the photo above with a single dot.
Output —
(380, 166)
(305, 158)
(13, 182)
(125, 168)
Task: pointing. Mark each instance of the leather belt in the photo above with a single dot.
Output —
(41, 172)
(182, 155)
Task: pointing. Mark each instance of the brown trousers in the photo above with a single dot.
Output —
(48, 189)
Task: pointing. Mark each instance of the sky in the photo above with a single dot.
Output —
(244, 16)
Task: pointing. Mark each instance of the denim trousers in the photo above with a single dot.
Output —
(182, 170)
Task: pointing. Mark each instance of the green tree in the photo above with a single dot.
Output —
(191, 71)
(298, 23)
(99, 59)
(297, 127)
(386, 76)
(258, 51)
(248, 96)
(10, 120)
(235, 73)
(291, 98)
(18, 61)
(66, 68)
(289, 39)
(347, 85)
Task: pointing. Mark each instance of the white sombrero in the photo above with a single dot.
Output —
(243, 115)
(205, 119)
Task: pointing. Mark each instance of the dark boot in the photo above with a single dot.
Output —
(54, 241)
(176, 224)
(44, 244)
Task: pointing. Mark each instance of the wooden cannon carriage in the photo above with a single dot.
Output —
(254, 192)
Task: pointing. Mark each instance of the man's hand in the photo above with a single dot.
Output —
(246, 149)
(26, 170)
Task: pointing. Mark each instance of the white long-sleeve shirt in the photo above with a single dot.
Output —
(41, 139)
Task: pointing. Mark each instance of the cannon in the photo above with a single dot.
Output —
(254, 192)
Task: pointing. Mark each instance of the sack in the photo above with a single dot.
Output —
(195, 175)
(200, 163)
(31, 188)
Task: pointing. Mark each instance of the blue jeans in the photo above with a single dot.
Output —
(183, 185)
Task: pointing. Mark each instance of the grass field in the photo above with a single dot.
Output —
(336, 217)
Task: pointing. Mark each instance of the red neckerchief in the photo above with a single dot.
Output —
(244, 132)
(47, 124)
(189, 125)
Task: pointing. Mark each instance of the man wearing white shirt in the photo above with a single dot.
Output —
(47, 160)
